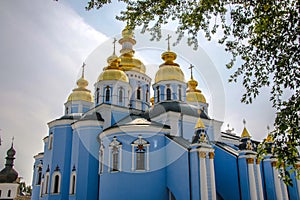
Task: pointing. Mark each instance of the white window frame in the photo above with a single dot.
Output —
(50, 143)
(56, 173)
(72, 182)
(46, 183)
(101, 158)
(167, 94)
(40, 166)
(134, 145)
(115, 144)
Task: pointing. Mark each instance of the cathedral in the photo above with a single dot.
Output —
(118, 142)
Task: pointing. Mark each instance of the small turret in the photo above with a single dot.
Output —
(9, 174)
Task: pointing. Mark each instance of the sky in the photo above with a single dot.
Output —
(43, 45)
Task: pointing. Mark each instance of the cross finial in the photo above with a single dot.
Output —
(82, 73)
(268, 128)
(12, 141)
(168, 38)
(191, 68)
(114, 42)
(244, 122)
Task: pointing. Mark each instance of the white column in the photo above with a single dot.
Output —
(284, 190)
(212, 175)
(276, 181)
(260, 190)
(253, 193)
(203, 176)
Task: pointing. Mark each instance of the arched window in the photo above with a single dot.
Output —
(8, 193)
(140, 154)
(179, 93)
(158, 94)
(97, 96)
(168, 94)
(73, 183)
(147, 95)
(138, 93)
(56, 183)
(56, 179)
(115, 155)
(120, 95)
(107, 94)
(46, 189)
(50, 144)
(39, 176)
(42, 187)
(67, 110)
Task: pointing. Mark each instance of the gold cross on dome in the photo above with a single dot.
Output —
(82, 74)
(191, 68)
(168, 38)
(114, 42)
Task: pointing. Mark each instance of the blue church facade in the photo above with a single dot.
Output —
(118, 143)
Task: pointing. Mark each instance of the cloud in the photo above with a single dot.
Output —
(43, 44)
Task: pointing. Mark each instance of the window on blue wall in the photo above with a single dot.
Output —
(179, 93)
(115, 155)
(73, 183)
(157, 94)
(120, 95)
(107, 94)
(141, 152)
(168, 94)
(39, 176)
(56, 182)
(138, 93)
(46, 183)
(147, 95)
(50, 144)
(97, 96)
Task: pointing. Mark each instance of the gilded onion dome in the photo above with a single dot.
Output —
(192, 93)
(81, 93)
(169, 70)
(113, 71)
(128, 62)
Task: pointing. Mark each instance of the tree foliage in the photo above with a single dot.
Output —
(264, 34)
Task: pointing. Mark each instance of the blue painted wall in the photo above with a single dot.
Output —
(226, 174)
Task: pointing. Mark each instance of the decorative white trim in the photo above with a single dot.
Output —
(115, 144)
(135, 144)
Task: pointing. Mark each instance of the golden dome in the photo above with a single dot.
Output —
(245, 133)
(128, 62)
(112, 71)
(193, 94)
(113, 74)
(169, 70)
(81, 93)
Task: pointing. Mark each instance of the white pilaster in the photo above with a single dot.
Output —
(212, 175)
(253, 192)
(260, 190)
(203, 176)
(277, 181)
(284, 190)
